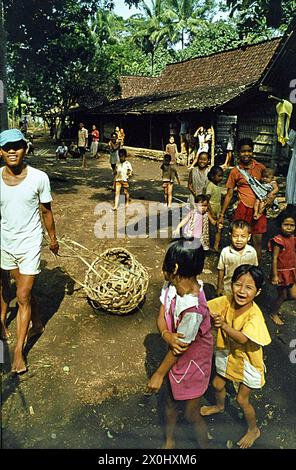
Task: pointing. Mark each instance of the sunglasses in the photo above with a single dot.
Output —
(13, 146)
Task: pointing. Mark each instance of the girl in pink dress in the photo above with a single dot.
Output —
(283, 273)
(184, 324)
(196, 223)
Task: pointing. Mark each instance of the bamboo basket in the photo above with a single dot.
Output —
(116, 282)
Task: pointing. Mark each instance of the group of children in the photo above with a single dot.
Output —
(186, 319)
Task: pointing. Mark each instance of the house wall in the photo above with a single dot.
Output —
(260, 124)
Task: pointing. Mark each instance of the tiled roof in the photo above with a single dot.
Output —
(195, 84)
(135, 85)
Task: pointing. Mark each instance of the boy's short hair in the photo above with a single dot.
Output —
(245, 141)
(167, 157)
(201, 198)
(254, 271)
(268, 170)
(239, 224)
(122, 153)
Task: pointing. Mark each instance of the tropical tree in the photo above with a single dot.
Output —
(150, 30)
(53, 56)
(259, 15)
(186, 16)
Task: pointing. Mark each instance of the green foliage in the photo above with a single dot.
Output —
(261, 15)
(53, 56)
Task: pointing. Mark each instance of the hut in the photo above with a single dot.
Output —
(212, 90)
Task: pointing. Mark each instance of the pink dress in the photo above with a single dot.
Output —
(189, 377)
(198, 227)
(286, 260)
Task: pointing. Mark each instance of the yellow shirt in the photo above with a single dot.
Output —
(241, 362)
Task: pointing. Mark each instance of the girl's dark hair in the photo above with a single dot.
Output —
(188, 253)
(245, 141)
(122, 152)
(215, 170)
(201, 198)
(254, 271)
(286, 214)
(203, 153)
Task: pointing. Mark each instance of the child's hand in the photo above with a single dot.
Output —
(175, 343)
(218, 321)
(275, 280)
(155, 382)
(176, 232)
(219, 291)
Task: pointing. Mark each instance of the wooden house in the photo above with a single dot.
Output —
(215, 90)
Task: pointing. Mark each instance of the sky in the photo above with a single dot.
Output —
(121, 9)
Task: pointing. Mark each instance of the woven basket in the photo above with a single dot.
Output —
(116, 282)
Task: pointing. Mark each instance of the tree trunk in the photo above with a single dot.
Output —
(3, 78)
(152, 62)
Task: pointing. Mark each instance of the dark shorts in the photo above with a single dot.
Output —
(246, 213)
(82, 150)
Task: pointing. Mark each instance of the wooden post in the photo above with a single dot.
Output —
(213, 143)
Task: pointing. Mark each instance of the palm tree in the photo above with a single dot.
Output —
(150, 28)
(105, 27)
(3, 96)
(186, 16)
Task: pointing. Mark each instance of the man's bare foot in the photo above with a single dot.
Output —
(5, 333)
(211, 410)
(35, 331)
(169, 444)
(249, 438)
(276, 319)
(19, 365)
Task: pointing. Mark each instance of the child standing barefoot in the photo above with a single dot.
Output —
(198, 177)
(241, 334)
(169, 173)
(213, 191)
(283, 274)
(184, 324)
(122, 173)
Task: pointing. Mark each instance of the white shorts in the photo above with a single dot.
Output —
(27, 263)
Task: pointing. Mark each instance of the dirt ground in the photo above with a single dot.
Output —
(85, 387)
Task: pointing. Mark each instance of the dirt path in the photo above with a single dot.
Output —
(88, 371)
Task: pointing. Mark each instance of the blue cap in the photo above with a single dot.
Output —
(12, 135)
